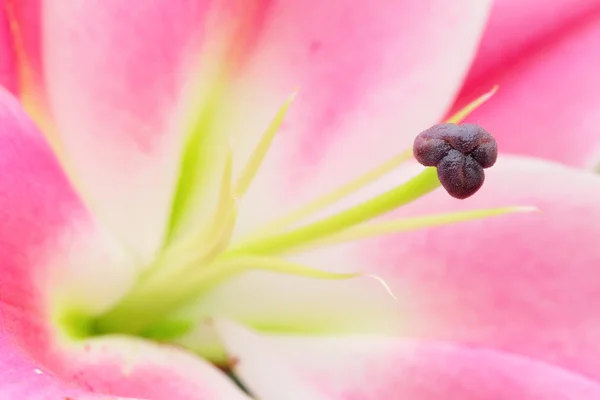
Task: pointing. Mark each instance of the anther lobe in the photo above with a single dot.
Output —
(485, 154)
(430, 151)
(460, 175)
(460, 154)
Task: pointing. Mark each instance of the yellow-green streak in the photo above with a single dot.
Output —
(336, 195)
(418, 186)
(259, 153)
(472, 106)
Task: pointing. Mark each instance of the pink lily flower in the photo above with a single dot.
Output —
(137, 245)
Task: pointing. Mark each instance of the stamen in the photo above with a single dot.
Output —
(363, 180)
(417, 187)
(259, 153)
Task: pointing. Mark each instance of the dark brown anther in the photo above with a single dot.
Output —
(460, 153)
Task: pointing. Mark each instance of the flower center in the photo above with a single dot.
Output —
(193, 264)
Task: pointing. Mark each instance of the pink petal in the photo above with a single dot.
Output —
(383, 368)
(516, 27)
(526, 283)
(23, 379)
(104, 369)
(542, 54)
(53, 256)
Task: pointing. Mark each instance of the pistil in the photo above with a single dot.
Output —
(193, 265)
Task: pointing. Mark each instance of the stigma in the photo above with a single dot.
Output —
(460, 153)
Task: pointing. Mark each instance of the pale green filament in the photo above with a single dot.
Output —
(417, 187)
(208, 241)
(261, 149)
(336, 195)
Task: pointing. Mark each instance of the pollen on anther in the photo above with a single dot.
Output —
(460, 153)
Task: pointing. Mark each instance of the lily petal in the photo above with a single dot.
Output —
(542, 56)
(516, 27)
(525, 284)
(54, 255)
(369, 368)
